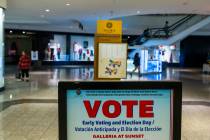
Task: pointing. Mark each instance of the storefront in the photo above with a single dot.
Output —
(170, 54)
(70, 48)
(154, 59)
(82, 48)
(56, 49)
(149, 60)
(2, 6)
(49, 48)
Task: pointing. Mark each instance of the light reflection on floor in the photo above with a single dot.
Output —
(195, 84)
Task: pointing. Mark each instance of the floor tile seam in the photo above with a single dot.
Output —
(196, 103)
(8, 104)
(46, 130)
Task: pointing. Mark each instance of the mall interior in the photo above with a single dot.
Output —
(172, 39)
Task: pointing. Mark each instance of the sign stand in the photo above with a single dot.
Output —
(108, 31)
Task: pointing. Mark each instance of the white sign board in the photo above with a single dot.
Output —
(112, 60)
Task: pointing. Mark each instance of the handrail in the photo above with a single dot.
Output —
(179, 24)
(186, 17)
(175, 25)
(161, 32)
(183, 20)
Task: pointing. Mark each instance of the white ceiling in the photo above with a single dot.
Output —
(3, 3)
(31, 14)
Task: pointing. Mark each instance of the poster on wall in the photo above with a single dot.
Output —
(121, 110)
(112, 61)
(34, 55)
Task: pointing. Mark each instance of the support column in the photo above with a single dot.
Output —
(2, 8)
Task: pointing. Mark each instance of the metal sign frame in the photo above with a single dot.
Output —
(175, 86)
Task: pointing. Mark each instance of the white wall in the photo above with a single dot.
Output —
(59, 42)
(61, 39)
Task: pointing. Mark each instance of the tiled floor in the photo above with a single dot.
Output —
(29, 122)
(195, 120)
(39, 121)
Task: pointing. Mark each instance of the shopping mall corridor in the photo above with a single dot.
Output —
(29, 110)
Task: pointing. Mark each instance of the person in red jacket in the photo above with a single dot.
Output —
(24, 66)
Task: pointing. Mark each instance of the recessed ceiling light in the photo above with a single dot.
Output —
(10, 96)
(67, 4)
(47, 10)
(138, 12)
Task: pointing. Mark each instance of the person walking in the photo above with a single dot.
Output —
(136, 62)
(166, 29)
(24, 66)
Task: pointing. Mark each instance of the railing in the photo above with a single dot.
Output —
(161, 32)
(171, 30)
(189, 23)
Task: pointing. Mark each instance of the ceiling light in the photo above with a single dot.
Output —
(67, 4)
(47, 10)
(23, 32)
(10, 31)
(138, 12)
(10, 96)
(128, 36)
